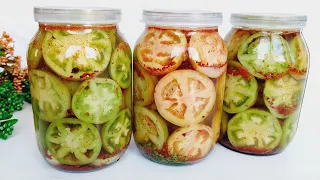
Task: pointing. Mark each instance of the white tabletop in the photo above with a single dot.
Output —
(20, 159)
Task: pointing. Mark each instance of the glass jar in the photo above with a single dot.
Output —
(267, 71)
(179, 62)
(80, 81)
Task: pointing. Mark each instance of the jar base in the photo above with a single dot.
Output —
(94, 166)
(225, 143)
(160, 158)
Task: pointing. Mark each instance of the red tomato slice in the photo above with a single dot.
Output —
(161, 51)
(208, 53)
(191, 142)
(185, 97)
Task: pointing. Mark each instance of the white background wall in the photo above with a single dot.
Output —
(16, 17)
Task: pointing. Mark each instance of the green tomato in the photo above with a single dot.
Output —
(120, 65)
(283, 96)
(34, 54)
(150, 126)
(289, 129)
(41, 135)
(73, 142)
(128, 98)
(36, 112)
(116, 133)
(40, 127)
(72, 85)
(112, 34)
(97, 100)
(241, 89)
(265, 55)
(300, 58)
(77, 55)
(236, 41)
(105, 74)
(224, 125)
(143, 86)
(255, 131)
(51, 98)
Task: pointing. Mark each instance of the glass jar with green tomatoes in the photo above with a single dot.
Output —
(180, 64)
(268, 62)
(80, 81)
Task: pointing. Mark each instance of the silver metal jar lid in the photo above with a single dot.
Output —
(269, 21)
(181, 18)
(77, 15)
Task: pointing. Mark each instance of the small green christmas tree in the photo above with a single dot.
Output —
(6, 128)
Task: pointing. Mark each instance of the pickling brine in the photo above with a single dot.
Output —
(178, 83)
(266, 77)
(80, 79)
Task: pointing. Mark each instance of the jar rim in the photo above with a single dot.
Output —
(269, 20)
(181, 18)
(77, 15)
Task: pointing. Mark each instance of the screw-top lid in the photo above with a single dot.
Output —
(77, 15)
(182, 18)
(269, 21)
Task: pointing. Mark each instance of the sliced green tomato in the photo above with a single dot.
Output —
(127, 93)
(34, 50)
(104, 74)
(120, 65)
(140, 135)
(185, 97)
(36, 112)
(51, 98)
(283, 96)
(300, 58)
(150, 126)
(161, 51)
(97, 100)
(255, 131)
(40, 127)
(112, 34)
(143, 86)
(241, 89)
(41, 134)
(265, 55)
(191, 142)
(236, 41)
(72, 85)
(77, 55)
(224, 125)
(73, 142)
(116, 133)
(289, 129)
